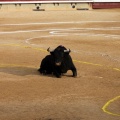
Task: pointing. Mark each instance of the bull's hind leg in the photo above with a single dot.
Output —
(43, 66)
(42, 71)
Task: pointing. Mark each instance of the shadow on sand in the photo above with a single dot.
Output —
(20, 71)
(23, 71)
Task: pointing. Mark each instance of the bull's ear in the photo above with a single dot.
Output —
(67, 51)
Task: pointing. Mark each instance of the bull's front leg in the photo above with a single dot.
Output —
(57, 72)
(74, 71)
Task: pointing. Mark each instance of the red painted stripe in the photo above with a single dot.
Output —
(105, 5)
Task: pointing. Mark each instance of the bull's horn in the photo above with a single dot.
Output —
(49, 50)
(68, 50)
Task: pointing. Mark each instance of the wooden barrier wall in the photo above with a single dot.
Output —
(41, 7)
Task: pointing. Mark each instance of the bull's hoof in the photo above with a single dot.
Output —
(58, 76)
(75, 76)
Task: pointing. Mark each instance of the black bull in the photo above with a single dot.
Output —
(58, 62)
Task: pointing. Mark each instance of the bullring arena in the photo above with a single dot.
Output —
(94, 39)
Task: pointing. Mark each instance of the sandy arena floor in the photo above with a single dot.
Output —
(94, 39)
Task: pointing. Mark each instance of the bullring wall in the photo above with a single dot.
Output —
(42, 7)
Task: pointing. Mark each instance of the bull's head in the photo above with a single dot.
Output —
(59, 54)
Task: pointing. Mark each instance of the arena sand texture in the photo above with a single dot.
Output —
(94, 39)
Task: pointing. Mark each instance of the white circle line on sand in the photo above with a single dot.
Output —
(58, 29)
(70, 22)
(65, 32)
